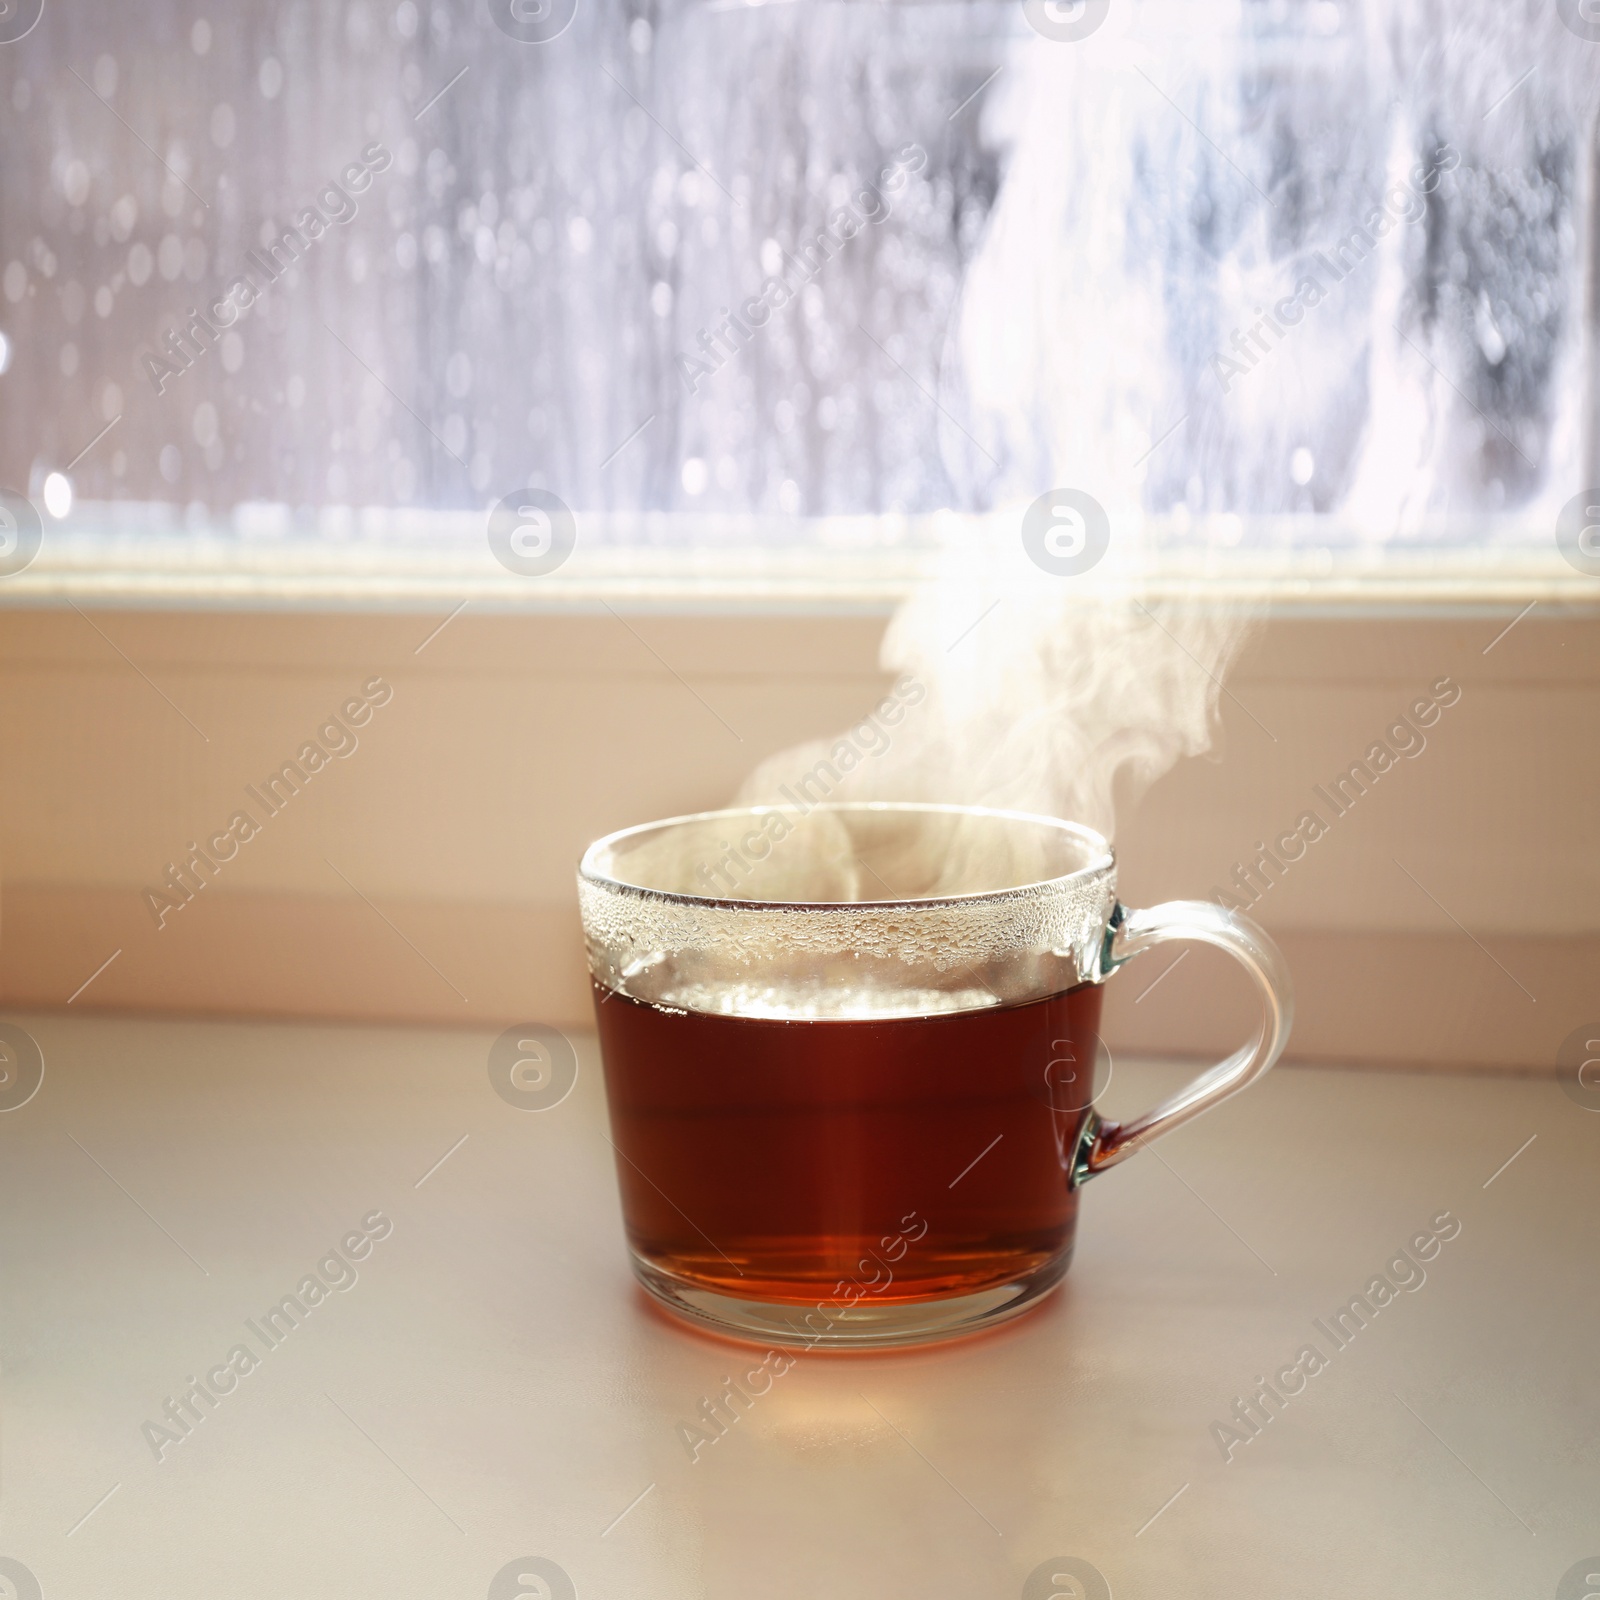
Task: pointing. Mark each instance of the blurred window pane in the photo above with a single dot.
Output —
(357, 271)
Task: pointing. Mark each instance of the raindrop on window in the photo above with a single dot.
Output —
(122, 217)
(223, 125)
(1302, 466)
(75, 183)
(695, 476)
(358, 28)
(1490, 339)
(200, 37)
(57, 495)
(105, 76)
(270, 78)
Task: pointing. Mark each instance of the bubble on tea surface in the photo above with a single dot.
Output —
(533, 1066)
(825, 1000)
(1066, 1578)
(531, 1578)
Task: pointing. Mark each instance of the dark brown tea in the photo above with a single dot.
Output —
(822, 1161)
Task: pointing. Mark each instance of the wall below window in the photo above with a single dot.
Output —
(1449, 917)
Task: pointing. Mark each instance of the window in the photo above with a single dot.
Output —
(310, 278)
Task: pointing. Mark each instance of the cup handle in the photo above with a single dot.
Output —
(1103, 1144)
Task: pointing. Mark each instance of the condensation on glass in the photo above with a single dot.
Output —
(308, 261)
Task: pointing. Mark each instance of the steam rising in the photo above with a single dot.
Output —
(1176, 175)
(1057, 701)
(1144, 224)
(1057, 695)
(1061, 696)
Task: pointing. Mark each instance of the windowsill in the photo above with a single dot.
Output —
(501, 1314)
(674, 563)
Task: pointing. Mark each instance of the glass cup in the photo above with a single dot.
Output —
(849, 1057)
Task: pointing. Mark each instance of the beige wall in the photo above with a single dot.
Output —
(512, 740)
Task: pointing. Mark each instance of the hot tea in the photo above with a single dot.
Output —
(853, 1107)
(831, 1160)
